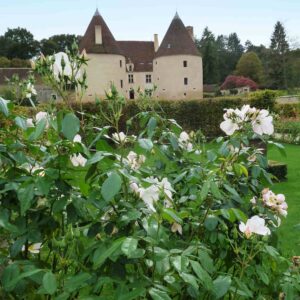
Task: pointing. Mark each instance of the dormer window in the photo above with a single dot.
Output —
(98, 35)
(130, 67)
(169, 46)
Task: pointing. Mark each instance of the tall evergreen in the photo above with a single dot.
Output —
(278, 58)
(207, 47)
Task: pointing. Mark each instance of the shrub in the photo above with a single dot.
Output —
(288, 110)
(263, 99)
(89, 212)
(277, 169)
(232, 82)
(4, 62)
(287, 131)
(19, 63)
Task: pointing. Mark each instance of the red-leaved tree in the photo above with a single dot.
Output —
(232, 82)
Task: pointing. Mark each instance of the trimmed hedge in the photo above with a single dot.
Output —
(205, 115)
(278, 169)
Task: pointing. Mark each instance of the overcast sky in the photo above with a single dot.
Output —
(140, 19)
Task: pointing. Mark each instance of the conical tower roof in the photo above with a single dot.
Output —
(109, 44)
(177, 40)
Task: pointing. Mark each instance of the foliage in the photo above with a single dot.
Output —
(63, 72)
(278, 59)
(288, 131)
(250, 66)
(18, 43)
(4, 62)
(279, 170)
(232, 82)
(149, 216)
(58, 43)
(22, 90)
(208, 49)
(288, 110)
(263, 99)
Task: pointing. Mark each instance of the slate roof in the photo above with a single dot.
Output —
(140, 53)
(177, 41)
(109, 44)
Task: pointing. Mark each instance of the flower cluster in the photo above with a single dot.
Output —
(275, 202)
(134, 161)
(184, 141)
(237, 119)
(151, 194)
(30, 90)
(78, 160)
(38, 118)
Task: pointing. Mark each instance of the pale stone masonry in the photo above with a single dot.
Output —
(175, 66)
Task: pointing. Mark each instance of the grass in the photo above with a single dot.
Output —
(289, 235)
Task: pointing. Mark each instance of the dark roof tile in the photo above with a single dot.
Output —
(109, 44)
(141, 54)
(177, 41)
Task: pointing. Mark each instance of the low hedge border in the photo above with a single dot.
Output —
(206, 114)
(278, 169)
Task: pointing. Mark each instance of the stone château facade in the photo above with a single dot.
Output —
(174, 67)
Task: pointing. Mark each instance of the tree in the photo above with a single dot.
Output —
(207, 46)
(18, 43)
(232, 82)
(4, 62)
(58, 43)
(278, 59)
(250, 66)
(235, 50)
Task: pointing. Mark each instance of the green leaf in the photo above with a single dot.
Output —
(96, 158)
(111, 186)
(10, 286)
(49, 283)
(3, 106)
(171, 215)
(129, 246)
(101, 254)
(134, 294)
(146, 144)
(39, 129)
(203, 276)
(221, 286)
(25, 196)
(215, 190)
(151, 126)
(70, 126)
(190, 279)
(205, 190)
(76, 282)
(157, 294)
(21, 123)
(239, 214)
(211, 222)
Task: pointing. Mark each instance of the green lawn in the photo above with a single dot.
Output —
(289, 236)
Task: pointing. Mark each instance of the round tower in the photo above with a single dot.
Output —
(106, 63)
(177, 66)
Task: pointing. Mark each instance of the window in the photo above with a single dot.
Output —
(148, 78)
(121, 64)
(121, 83)
(169, 46)
(130, 68)
(185, 64)
(186, 81)
(130, 78)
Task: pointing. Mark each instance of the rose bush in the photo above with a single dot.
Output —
(95, 213)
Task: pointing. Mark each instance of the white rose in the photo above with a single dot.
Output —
(78, 160)
(254, 225)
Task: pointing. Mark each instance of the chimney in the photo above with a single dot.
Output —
(190, 30)
(156, 43)
(98, 35)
